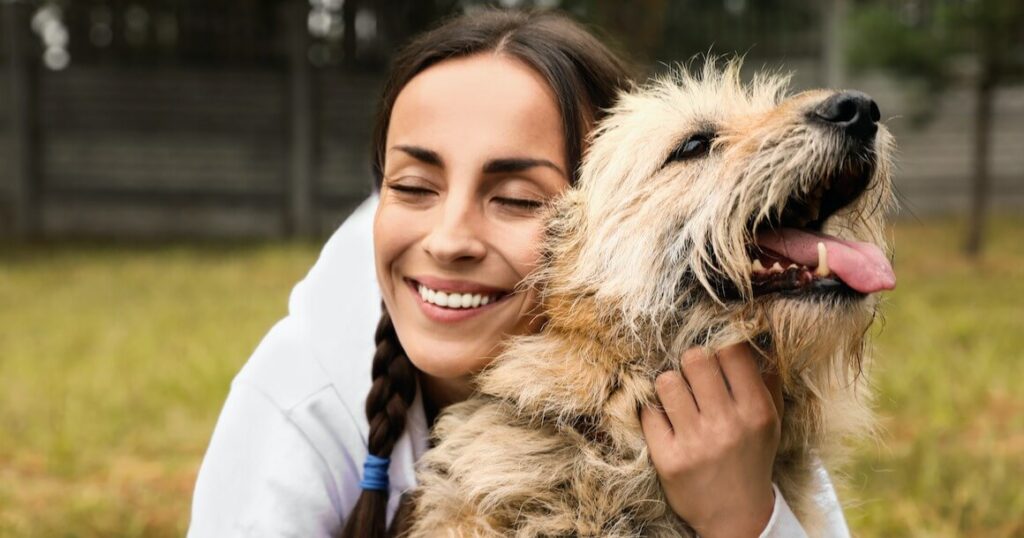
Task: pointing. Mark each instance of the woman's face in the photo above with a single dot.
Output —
(474, 148)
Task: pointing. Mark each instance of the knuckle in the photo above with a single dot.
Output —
(732, 437)
(693, 355)
(726, 434)
(762, 423)
(665, 380)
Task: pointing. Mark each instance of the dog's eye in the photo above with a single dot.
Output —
(696, 146)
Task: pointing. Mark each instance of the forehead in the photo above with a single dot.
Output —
(479, 104)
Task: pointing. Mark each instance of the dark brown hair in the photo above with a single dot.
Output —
(585, 76)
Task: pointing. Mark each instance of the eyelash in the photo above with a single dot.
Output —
(516, 203)
(520, 203)
(405, 189)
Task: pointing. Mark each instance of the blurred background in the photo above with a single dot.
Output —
(170, 168)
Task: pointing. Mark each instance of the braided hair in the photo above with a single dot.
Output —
(585, 76)
(392, 392)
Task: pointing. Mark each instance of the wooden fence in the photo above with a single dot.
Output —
(175, 151)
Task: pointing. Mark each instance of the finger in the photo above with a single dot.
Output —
(676, 398)
(742, 372)
(655, 424)
(704, 376)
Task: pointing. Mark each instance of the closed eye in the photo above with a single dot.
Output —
(520, 203)
(414, 191)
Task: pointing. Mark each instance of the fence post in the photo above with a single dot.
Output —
(302, 136)
(22, 117)
(834, 41)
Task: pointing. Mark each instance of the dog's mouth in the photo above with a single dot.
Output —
(791, 256)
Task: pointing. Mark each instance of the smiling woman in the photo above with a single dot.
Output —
(461, 215)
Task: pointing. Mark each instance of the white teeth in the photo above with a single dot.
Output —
(776, 268)
(454, 300)
(756, 266)
(792, 266)
(823, 269)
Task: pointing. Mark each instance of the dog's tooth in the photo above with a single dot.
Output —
(756, 266)
(792, 266)
(776, 268)
(822, 269)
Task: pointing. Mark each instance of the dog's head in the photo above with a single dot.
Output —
(733, 204)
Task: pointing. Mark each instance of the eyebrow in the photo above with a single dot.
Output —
(502, 165)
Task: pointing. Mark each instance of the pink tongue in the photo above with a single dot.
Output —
(862, 266)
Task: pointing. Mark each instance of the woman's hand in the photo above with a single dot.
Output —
(714, 442)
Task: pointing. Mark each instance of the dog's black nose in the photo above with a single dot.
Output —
(853, 111)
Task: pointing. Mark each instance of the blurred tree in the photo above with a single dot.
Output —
(928, 41)
(669, 31)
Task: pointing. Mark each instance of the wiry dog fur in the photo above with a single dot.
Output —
(636, 263)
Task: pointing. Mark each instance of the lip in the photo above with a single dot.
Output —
(452, 315)
(458, 286)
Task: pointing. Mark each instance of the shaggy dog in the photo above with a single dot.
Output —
(707, 213)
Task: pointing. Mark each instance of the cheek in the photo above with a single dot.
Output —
(394, 234)
(521, 247)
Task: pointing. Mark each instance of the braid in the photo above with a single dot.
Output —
(392, 392)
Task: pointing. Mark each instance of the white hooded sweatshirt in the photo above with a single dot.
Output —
(287, 453)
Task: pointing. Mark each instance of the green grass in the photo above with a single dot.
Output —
(949, 374)
(115, 360)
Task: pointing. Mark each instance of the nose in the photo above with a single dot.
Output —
(854, 112)
(455, 237)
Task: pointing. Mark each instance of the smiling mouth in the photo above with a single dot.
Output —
(791, 256)
(453, 300)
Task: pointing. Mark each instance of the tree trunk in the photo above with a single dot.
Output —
(348, 43)
(980, 180)
(22, 111)
(301, 219)
(833, 43)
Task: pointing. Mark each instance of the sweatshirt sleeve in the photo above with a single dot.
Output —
(262, 476)
(783, 523)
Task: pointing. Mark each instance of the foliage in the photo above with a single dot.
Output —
(115, 360)
(881, 38)
(934, 43)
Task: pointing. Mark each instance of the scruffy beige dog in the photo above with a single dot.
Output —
(708, 213)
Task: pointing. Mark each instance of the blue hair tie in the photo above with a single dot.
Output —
(375, 473)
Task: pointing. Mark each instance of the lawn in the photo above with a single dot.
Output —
(115, 359)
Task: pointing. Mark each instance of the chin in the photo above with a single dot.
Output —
(445, 359)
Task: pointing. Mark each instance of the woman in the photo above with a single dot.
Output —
(483, 121)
